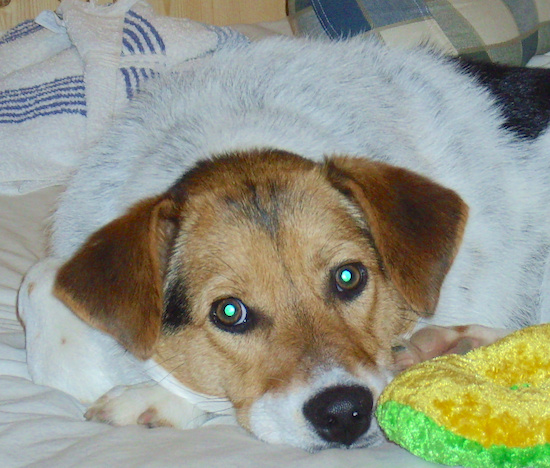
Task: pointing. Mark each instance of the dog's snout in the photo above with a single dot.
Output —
(340, 414)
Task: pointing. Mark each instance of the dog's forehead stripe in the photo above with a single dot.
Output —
(260, 206)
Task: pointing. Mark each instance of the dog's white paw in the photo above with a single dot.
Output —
(146, 404)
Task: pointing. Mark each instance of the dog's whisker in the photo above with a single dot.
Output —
(220, 274)
(421, 321)
(161, 363)
(217, 412)
(332, 250)
(277, 379)
(171, 372)
(220, 258)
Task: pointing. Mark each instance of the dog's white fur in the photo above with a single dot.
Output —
(412, 109)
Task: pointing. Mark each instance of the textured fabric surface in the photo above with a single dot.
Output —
(63, 76)
(490, 407)
(504, 31)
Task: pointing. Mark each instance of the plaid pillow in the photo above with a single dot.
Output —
(504, 31)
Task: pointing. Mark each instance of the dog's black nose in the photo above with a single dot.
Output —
(341, 413)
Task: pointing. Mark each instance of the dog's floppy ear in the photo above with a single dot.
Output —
(114, 281)
(416, 224)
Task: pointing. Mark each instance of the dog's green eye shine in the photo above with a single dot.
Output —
(229, 313)
(229, 310)
(349, 280)
(346, 277)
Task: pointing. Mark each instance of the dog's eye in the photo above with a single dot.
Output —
(349, 280)
(229, 314)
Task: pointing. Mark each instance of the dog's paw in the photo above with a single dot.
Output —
(434, 341)
(126, 405)
(149, 405)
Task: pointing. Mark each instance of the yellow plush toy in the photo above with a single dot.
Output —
(488, 408)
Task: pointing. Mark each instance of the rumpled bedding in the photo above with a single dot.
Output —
(52, 102)
(64, 76)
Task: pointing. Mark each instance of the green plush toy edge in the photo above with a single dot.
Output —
(422, 436)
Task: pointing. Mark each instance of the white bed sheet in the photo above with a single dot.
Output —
(43, 427)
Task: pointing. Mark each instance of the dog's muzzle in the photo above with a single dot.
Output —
(333, 408)
(340, 414)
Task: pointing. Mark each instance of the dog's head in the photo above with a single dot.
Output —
(276, 282)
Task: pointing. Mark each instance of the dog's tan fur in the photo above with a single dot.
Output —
(268, 228)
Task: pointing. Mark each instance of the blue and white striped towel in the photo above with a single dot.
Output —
(64, 76)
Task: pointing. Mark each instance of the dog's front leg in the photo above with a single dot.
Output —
(147, 404)
(63, 351)
(434, 341)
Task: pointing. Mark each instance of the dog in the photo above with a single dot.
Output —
(274, 225)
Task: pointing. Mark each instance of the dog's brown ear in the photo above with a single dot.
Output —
(416, 224)
(114, 281)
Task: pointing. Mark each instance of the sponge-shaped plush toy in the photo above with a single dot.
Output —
(488, 408)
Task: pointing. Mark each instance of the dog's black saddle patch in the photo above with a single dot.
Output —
(523, 94)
